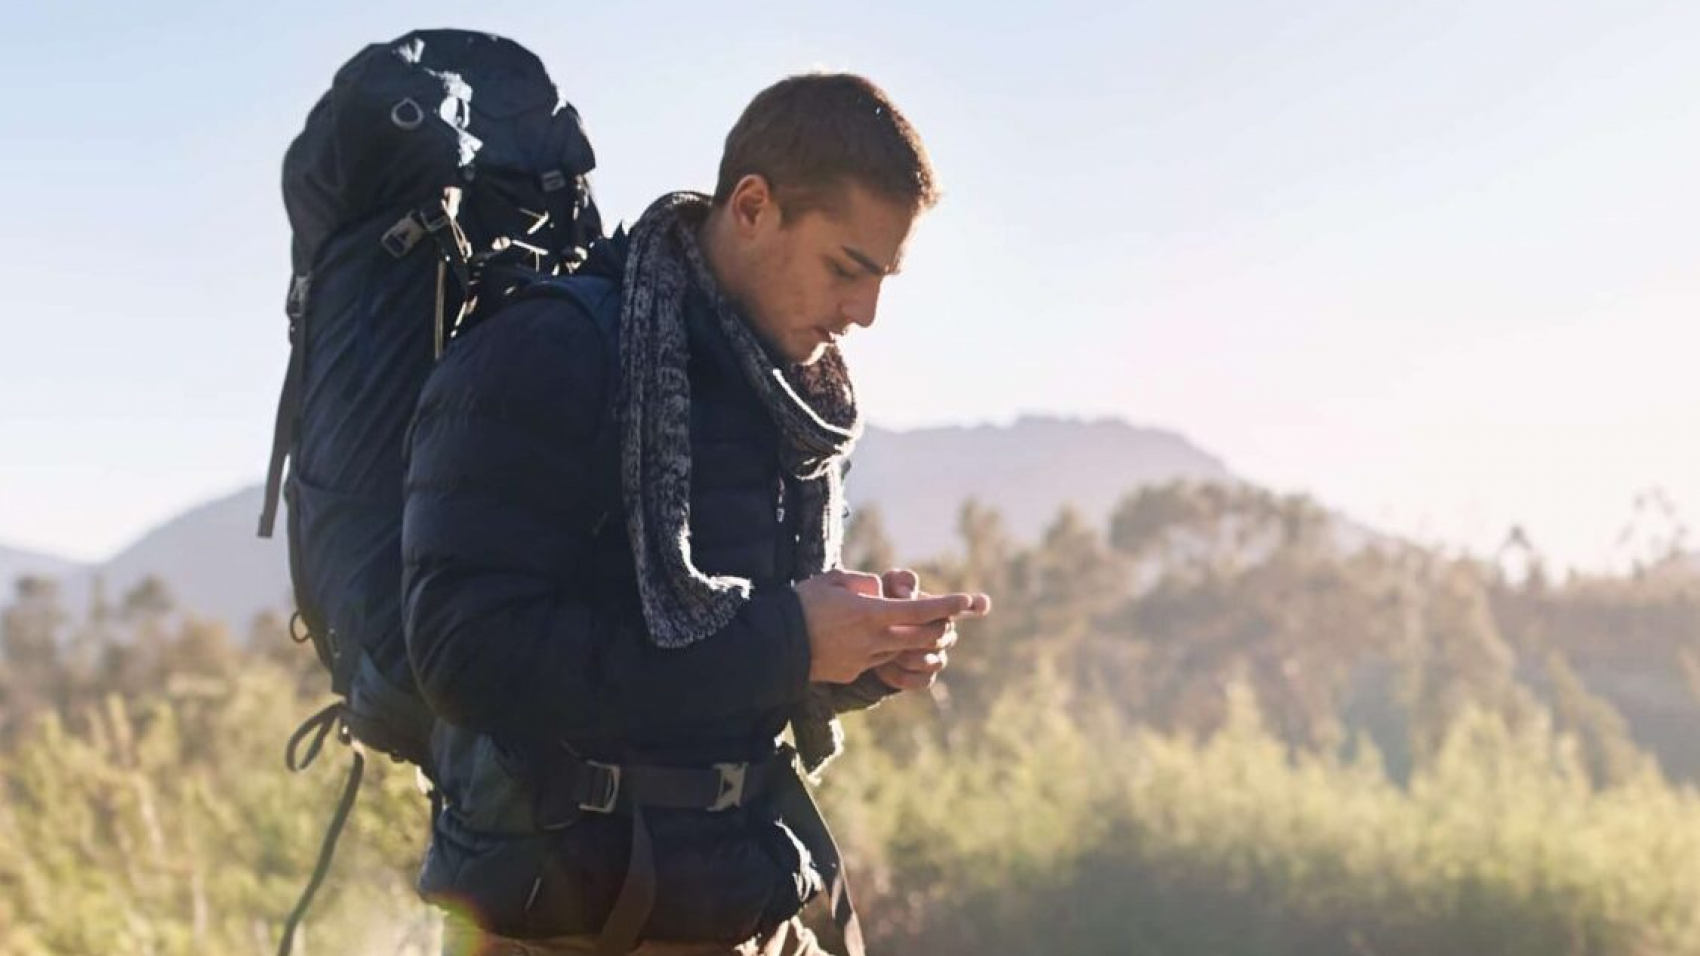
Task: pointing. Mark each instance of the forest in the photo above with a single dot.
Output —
(1224, 723)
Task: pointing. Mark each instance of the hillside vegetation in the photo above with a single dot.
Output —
(1205, 728)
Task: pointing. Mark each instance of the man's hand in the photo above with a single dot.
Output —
(918, 669)
(854, 628)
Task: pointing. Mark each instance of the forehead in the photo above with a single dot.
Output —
(857, 217)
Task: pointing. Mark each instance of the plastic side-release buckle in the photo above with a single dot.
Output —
(731, 786)
(433, 216)
(400, 238)
(605, 788)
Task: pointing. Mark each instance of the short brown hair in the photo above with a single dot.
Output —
(808, 135)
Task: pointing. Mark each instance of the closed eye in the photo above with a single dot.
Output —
(839, 270)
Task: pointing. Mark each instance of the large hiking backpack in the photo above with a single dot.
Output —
(440, 167)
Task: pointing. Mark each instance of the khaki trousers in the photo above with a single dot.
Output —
(792, 938)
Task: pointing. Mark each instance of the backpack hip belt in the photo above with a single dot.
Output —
(595, 787)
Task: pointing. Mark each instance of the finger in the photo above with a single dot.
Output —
(886, 678)
(923, 661)
(923, 610)
(936, 636)
(894, 677)
(980, 604)
(917, 635)
(861, 582)
(902, 679)
(901, 583)
(883, 657)
(923, 638)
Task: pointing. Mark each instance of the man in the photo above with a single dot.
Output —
(613, 690)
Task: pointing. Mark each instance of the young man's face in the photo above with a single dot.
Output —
(817, 273)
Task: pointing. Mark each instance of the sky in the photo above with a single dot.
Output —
(1431, 262)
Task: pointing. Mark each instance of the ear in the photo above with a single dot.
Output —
(752, 204)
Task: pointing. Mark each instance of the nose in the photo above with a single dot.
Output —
(862, 304)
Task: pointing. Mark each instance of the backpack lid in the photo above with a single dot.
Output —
(517, 115)
(405, 119)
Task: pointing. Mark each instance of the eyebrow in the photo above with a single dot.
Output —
(867, 263)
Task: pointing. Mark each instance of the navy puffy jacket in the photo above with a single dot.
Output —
(524, 627)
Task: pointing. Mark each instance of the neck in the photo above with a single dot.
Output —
(715, 240)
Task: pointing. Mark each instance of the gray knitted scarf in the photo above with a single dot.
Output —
(814, 407)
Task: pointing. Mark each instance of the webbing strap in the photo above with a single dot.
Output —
(452, 256)
(283, 435)
(318, 726)
(314, 730)
(798, 809)
(637, 894)
(288, 401)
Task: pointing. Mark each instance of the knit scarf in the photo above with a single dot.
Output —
(814, 407)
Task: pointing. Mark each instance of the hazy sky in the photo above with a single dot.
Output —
(1433, 262)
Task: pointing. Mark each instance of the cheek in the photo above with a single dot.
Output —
(766, 294)
(796, 297)
(799, 294)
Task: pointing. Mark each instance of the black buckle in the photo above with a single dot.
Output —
(400, 238)
(552, 180)
(605, 787)
(433, 217)
(731, 786)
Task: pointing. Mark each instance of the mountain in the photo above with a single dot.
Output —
(208, 557)
(215, 566)
(211, 560)
(17, 562)
(1026, 471)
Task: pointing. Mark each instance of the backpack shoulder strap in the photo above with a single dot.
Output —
(599, 298)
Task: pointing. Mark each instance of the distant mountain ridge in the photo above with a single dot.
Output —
(18, 562)
(1027, 470)
(207, 556)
